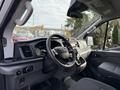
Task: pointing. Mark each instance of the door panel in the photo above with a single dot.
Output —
(105, 56)
(97, 58)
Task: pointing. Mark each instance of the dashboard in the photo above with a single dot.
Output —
(81, 46)
(31, 60)
(36, 50)
(33, 49)
(26, 50)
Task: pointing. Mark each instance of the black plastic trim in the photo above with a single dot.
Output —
(20, 62)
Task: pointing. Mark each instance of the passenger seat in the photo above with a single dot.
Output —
(88, 84)
(110, 69)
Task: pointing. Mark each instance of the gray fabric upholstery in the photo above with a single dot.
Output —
(110, 69)
(90, 84)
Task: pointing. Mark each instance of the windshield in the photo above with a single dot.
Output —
(50, 17)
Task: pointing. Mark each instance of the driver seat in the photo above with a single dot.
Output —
(90, 84)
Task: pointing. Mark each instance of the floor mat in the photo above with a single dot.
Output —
(52, 84)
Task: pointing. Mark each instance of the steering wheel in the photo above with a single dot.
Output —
(62, 55)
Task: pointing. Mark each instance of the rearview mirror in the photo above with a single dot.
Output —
(76, 8)
(76, 15)
(89, 40)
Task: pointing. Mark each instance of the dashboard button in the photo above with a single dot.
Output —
(21, 81)
(28, 69)
(31, 68)
(18, 73)
(25, 70)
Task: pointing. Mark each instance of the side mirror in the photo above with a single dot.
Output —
(89, 40)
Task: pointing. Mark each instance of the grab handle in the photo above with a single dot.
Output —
(29, 11)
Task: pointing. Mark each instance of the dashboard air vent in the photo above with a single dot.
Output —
(26, 51)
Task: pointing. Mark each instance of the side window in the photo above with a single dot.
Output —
(112, 34)
(99, 36)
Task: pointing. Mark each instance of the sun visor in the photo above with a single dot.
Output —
(106, 8)
(103, 7)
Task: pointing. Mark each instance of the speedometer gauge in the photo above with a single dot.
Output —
(38, 51)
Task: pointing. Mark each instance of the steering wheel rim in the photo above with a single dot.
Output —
(52, 55)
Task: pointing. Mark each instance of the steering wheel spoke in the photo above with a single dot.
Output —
(54, 51)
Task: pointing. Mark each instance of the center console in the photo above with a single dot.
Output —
(22, 76)
(81, 63)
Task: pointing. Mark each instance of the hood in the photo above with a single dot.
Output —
(107, 9)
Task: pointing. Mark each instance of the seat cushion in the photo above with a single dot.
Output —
(90, 84)
(110, 69)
